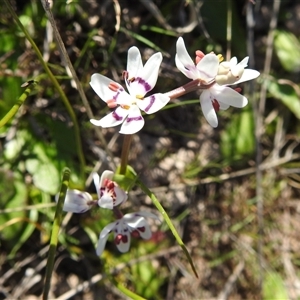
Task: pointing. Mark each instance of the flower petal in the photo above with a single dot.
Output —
(153, 103)
(244, 62)
(208, 109)
(113, 119)
(233, 62)
(228, 96)
(146, 232)
(121, 195)
(183, 60)
(147, 77)
(103, 237)
(100, 85)
(208, 67)
(107, 174)
(106, 201)
(76, 201)
(134, 122)
(223, 106)
(124, 244)
(140, 214)
(134, 62)
(122, 230)
(248, 74)
(96, 180)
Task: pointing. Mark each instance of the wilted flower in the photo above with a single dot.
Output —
(133, 224)
(109, 195)
(208, 70)
(139, 81)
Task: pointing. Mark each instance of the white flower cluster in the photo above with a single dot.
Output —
(209, 74)
(140, 80)
(110, 195)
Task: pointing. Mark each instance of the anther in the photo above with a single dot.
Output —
(125, 106)
(111, 103)
(113, 86)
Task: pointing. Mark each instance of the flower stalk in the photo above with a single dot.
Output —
(189, 87)
(125, 153)
(55, 232)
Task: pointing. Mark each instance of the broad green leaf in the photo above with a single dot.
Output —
(14, 147)
(44, 174)
(287, 48)
(286, 94)
(238, 139)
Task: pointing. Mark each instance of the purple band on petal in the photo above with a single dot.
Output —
(134, 119)
(152, 99)
(146, 85)
(116, 116)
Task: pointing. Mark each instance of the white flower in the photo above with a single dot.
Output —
(219, 97)
(130, 224)
(205, 70)
(208, 70)
(140, 80)
(222, 97)
(109, 195)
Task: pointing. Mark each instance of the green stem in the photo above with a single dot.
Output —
(125, 152)
(56, 85)
(169, 223)
(55, 232)
(66, 59)
(15, 108)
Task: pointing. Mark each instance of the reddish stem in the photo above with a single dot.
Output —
(191, 86)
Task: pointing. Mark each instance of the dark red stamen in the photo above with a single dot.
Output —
(135, 234)
(120, 238)
(216, 105)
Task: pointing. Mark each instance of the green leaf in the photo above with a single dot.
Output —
(45, 175)
(169, 223)
(14, 147)
(287, 48)
(238, 138)
(273, 287)
(286, 94)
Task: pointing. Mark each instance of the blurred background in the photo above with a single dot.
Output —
(232, 192)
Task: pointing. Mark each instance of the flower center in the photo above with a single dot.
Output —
(121, 238)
